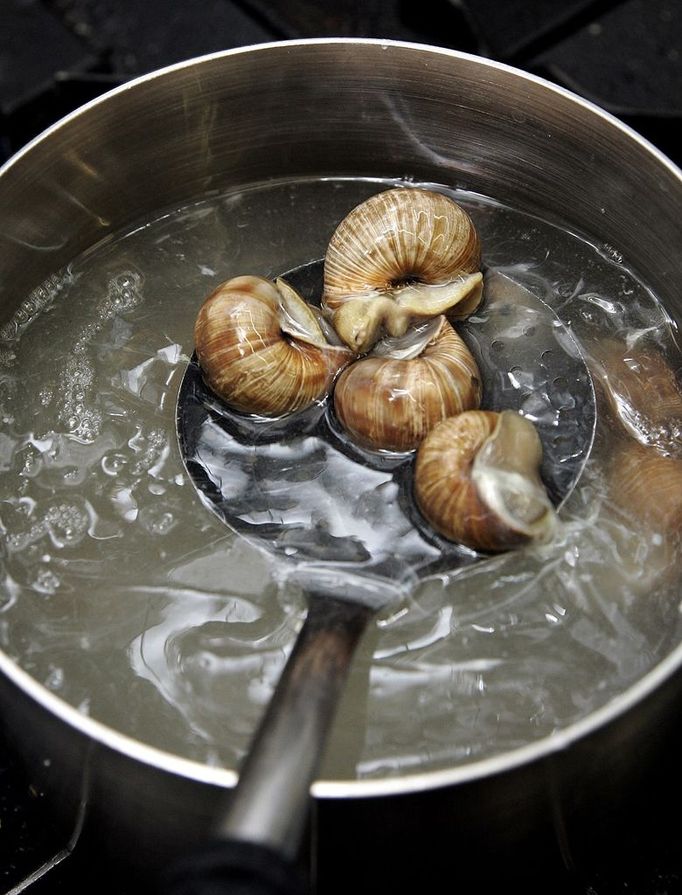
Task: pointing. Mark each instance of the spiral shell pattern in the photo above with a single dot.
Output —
(648, 487)
(391, 404)
(249, 360)
(385, 246)
(498, 506)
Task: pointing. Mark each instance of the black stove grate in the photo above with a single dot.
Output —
(625, 55)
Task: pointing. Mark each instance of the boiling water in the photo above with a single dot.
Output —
(124, 595)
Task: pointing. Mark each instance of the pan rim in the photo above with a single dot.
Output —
(350, 41)
(334, 789)
(557, 742)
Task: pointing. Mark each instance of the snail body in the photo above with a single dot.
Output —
(400, 255)
(477, 481)
(391, 400)
(261, 348)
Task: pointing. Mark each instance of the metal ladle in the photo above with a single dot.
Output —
(245, 470)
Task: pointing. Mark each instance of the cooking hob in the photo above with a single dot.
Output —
(625, 55)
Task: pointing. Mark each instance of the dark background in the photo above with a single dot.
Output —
(625, 55)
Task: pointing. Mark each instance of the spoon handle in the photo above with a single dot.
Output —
(269, 804)
(257, 840)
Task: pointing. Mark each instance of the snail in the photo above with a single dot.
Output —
(402, 254)
(645, 474)
(390, 399)
(648, 487)
(642, 392)
(262, 349)
(477, 481)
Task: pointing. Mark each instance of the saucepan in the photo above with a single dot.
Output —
(500, 707)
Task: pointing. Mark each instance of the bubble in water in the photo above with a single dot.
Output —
(123, 293)
(32, 307)
(81, 376)
(75, 388)
(45, 396)
(157, 521)
(88, 333)
(46, 581)
(151, 446)
(112, 464)
(67, 523)
(17, 541)
(88, 425)
(71, 475)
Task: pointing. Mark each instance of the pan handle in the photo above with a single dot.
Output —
(230, 867)
(267, 812)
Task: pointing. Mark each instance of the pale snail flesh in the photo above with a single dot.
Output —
(402, 254)
(262, 349)
(391, 399)
(477, 481)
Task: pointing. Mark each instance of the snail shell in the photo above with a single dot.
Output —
(261, 348)
(388, 402)
(402, 254)
(648, 487)
(642, 392)
(477, 481)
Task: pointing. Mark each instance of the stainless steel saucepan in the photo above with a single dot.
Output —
(344, 109)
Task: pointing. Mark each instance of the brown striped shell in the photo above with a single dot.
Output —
(389, 403)
(262, 350)
(403, 254)
(477, 481)
(648, 487)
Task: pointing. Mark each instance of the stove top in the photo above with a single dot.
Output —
(625, 55)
